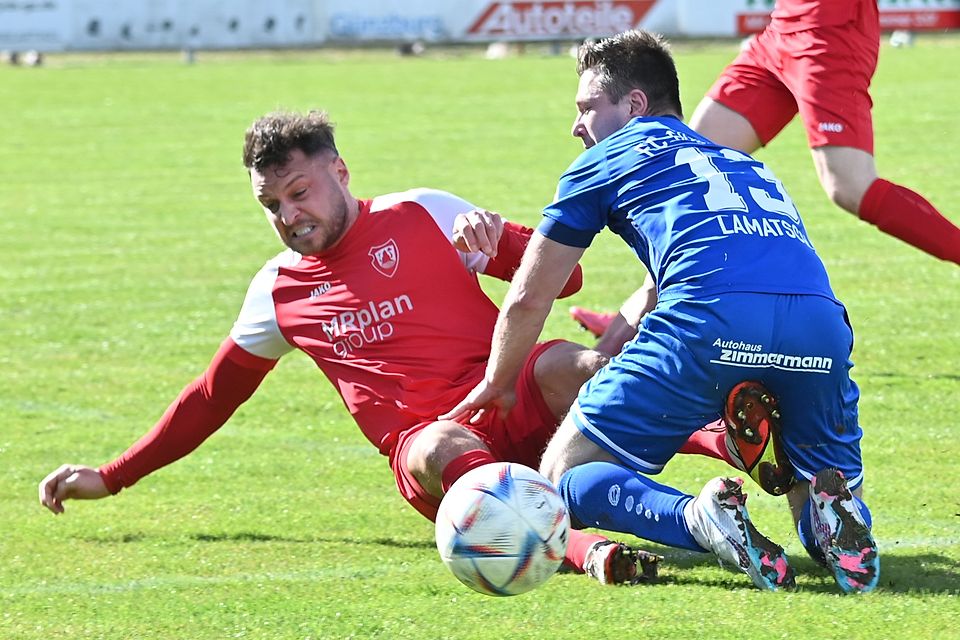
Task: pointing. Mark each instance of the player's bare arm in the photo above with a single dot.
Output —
(545, 268)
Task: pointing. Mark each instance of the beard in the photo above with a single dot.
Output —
(328, 232)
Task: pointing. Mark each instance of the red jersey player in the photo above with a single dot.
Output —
(382, 294)
(815, 58)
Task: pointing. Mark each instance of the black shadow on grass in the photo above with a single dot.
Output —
(901, 573)
(918, 376)
(254, 536)
(246, 536)
(926, 572)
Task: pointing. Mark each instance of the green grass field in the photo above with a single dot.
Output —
(128, 235)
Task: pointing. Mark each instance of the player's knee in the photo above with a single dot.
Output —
(586, 362)
(845, 180)
(556, 459)
(423, 453)
(418, 456)
(592, 361)
(435, 446)
(552, 467)
(568, 362)
(843, 195)
(561, 371)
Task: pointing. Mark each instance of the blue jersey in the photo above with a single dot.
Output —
(703, 218)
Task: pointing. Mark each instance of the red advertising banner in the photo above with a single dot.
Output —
(752, 22)
(909, 19)
(920, 20)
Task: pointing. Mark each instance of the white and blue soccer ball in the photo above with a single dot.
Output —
(502, 529)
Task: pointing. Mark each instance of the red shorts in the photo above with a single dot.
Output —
(522, 437)
(823, 73)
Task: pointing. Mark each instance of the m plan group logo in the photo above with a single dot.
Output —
(385, 257)
(578, 18)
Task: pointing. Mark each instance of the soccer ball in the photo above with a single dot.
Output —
(502, 529)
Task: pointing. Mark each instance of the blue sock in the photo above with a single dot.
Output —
(805, 528)
(608, 496)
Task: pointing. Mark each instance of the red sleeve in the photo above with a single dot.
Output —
(514, 240)
(200, 409)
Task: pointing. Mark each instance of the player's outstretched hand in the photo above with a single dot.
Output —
(71, 482)
(478, 230)
(481, 400)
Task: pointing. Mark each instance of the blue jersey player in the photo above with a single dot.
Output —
(745, 325)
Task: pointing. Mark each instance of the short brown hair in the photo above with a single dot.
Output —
(271, 138)
(630, 60)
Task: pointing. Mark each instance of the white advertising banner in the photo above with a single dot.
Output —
(51, 25)
(388, 20)
(492, 20)
(207, 24)
(43, 25)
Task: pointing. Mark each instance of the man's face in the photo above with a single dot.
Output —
(307, 200)
(597, 117)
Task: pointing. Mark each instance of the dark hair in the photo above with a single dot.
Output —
(634, 60)
(271, 138)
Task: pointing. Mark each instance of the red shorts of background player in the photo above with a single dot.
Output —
(522, 437)
(823, 73)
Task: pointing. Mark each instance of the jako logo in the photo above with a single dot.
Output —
(578, 18)
(832, 127)
(320, 290)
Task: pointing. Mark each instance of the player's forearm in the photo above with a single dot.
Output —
(640, 303)
(525, 309)
(517, 330)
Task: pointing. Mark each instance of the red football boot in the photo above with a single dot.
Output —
(753, 437)
(596, 322)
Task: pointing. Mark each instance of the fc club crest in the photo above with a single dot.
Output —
(385, 257)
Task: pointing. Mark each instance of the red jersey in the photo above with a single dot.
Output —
(393, 314)
(798, 15)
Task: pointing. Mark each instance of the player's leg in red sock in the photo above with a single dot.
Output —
(709, 441)
(596, 322)
(464, 462)
(577, 548)
(849, 177)
(907, 215)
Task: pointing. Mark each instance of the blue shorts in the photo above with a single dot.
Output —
(673, 378)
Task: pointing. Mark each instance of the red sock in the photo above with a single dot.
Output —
(461, 464)
(907, 215)
(577, 546)
(709, 441)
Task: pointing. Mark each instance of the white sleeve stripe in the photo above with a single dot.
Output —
(443, 207)
(256, 329)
